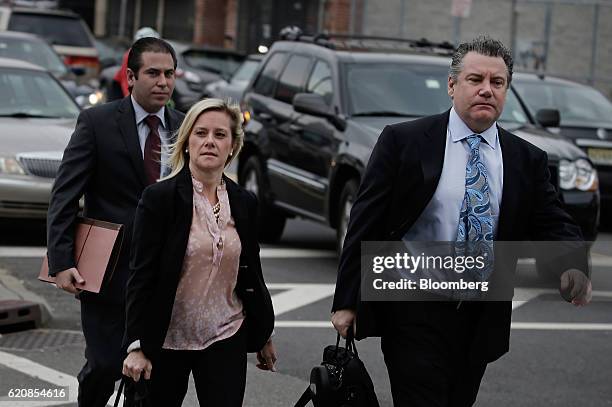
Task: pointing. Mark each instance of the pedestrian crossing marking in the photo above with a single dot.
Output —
(38, 371)
(532, 326)
(298, 295)
(265, 253)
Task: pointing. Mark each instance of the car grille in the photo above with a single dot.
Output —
(45, 167)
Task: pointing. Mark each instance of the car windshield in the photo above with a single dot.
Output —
(220, 63)
(246, 71)
(513, 115)
(576, 104)
(36, 52)
(409, 89)
(60, 30)
(396, 89)
(34, 94)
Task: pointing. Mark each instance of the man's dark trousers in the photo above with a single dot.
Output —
(431, 360)
(103, 327)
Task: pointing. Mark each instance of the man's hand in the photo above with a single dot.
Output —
(66, 280)
(267, 357)
(135, 363)
(576, 287)
(342, 320)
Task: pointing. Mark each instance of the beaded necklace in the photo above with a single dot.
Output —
(199, 187)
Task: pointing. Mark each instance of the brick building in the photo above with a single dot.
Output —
(569, 38)
(238, 24)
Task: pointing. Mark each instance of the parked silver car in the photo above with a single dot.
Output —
(37, 116)
(32, 48)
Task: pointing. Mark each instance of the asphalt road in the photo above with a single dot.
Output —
(560, 355)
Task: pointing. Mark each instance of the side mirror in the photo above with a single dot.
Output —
(313, 104)
(548, 117)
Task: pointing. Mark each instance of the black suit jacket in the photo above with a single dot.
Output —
(161, 233)
(400, 180)
(103, 161)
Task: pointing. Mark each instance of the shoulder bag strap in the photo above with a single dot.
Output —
(121, 385)
(305, 398)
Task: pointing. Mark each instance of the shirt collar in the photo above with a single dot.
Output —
(459, 130)
(141, 114)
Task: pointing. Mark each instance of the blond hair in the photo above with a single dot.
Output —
(179, 157)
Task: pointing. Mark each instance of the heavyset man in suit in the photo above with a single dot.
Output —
(116, 150)
(414, 189)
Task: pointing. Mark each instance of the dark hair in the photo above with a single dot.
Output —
(147, 44)
(482, 45)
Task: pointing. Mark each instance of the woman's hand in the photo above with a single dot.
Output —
(135, 363)
(267, 357)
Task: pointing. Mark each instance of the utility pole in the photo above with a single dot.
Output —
(122, 18)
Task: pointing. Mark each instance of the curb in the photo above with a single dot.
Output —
(12, 288)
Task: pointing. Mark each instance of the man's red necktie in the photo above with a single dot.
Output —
(152, 150)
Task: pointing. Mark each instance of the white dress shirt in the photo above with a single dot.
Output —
(440, 219)
(143, 133)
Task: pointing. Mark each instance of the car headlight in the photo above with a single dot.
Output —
(578, 174)
(95, 97)
(586, 176)
(10, 165)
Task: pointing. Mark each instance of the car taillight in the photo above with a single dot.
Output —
(89, 62)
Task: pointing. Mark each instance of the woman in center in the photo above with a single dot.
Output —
(196, 298)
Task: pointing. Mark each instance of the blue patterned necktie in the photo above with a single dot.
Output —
(475, 231)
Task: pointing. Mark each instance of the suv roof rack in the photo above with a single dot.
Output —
(347, 42)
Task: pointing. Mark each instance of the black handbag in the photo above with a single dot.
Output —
(342, 379)
(136, 394)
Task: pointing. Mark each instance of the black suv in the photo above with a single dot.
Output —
(317, 106)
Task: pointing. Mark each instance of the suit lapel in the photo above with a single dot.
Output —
(511, 185)
(432, 156)
(239, 211)
(431, 145)
(129, 132)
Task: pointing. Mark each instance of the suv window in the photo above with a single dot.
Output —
(58, 30)
(320, 81)
(400, 88)
(267, 79)
(293, 77)
(221, 62)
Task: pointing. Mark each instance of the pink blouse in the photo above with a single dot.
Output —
(206, 308)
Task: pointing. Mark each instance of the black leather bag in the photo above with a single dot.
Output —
(342, 379)
(136, 394)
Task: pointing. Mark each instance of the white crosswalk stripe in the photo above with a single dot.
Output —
(266, 253)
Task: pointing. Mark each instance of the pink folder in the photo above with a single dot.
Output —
(96, 250)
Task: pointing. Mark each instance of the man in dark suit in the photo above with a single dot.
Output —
(116, 150)
(416, 188)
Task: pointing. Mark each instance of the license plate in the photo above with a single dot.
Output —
(600, 155)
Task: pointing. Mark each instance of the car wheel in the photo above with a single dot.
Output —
(347, 197)
(270, 220)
